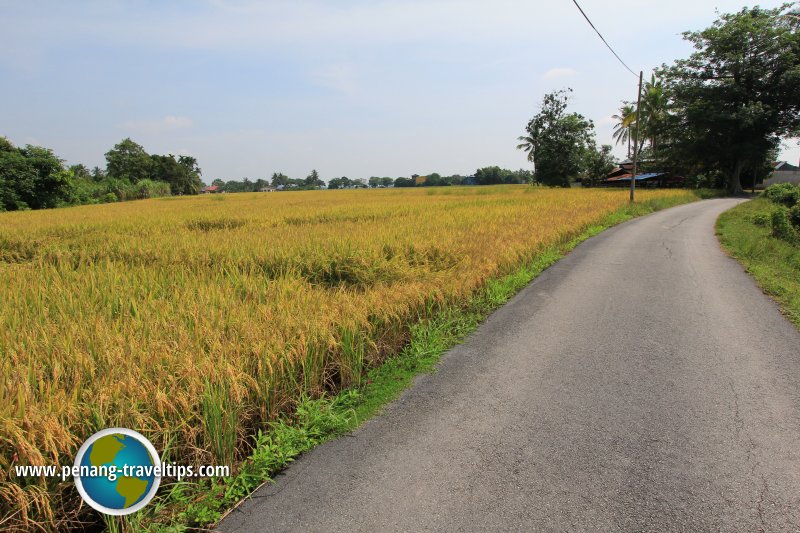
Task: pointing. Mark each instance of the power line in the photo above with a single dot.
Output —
(602, 38)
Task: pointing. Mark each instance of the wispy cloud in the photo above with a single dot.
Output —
(559, 72)
(158, 125)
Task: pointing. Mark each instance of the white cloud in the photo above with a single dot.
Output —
(159, 125)
(559, 72)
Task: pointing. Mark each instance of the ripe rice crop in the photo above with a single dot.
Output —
(196, 320)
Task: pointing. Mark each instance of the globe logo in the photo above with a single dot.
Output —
(118, 470)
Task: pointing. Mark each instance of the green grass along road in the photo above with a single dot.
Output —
(773, 262)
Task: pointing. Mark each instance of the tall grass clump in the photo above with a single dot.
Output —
(200, 321)
(144, 189)
(220, 421)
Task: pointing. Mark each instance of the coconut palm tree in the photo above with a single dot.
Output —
(527, 145)
(623, 132)
(654, 111)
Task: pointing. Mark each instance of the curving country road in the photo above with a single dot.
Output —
(642, 383)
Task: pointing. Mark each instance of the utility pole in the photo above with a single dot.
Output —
(636, 137)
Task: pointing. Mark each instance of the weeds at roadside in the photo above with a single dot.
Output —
(748, 233)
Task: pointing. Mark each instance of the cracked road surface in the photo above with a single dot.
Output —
(642, 383)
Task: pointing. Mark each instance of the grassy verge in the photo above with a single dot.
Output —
(774, 263)
(191, 506)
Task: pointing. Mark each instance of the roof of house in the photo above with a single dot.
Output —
(210, 188)
(618, 172)
(639, 177)
(629, 161)
(783, 165)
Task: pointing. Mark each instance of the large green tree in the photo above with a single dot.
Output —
(279, 179)
(182, 173)
(313, 180)
(15, 175)
(598, 162)
(734, 99)
(51, 183)
(129, 161)
(557, 140)
(32, 177)
(341, 183)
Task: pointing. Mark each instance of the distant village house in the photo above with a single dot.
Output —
(783, 172)
(621, 177)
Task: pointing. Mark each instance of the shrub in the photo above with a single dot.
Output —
(120, 188)
(761, 219)
(151, 189)
(783, 193)
(84, 191)
(794, 217)
(109, 197)
(781, 228)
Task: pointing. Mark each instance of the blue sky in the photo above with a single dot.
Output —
(351, 88)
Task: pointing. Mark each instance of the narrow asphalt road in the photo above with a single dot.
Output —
(642, 383)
